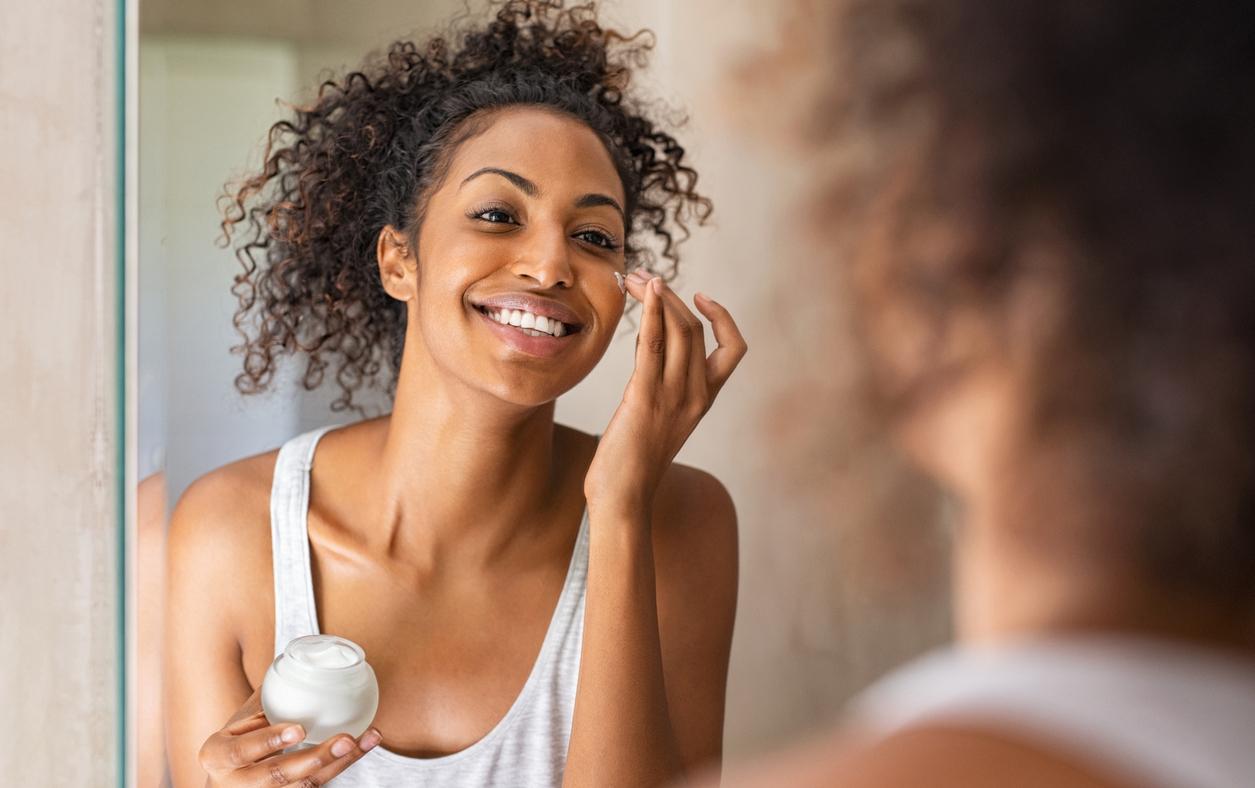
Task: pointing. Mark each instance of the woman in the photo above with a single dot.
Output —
(463, 210)
(1048, 210)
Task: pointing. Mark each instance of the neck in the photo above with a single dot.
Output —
(1010, 585)
(460, 470)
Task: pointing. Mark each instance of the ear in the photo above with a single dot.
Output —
(398, 265)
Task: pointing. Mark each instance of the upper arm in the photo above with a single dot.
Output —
(204, 681)
(695, 538)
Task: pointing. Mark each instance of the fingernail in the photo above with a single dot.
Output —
(658, 284)
(341, 747)
(293, 735)
(369, 740)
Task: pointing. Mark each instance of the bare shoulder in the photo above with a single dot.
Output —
(696, 555)
(939, 755)
(219, 534)
(220, 505)
(693, 510)
(694, 525)
(695, 558)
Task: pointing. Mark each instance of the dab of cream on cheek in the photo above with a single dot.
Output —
(324, 683)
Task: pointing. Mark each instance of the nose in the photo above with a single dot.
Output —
(545, 258)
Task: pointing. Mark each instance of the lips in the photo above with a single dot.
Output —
(529, 344)
(537, 305)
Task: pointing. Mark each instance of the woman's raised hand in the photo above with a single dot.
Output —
(242, 752)
(672, 387)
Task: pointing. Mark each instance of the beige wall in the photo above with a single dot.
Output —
(841, 570)
(58, 434)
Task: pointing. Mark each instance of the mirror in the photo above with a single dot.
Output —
(214, 78)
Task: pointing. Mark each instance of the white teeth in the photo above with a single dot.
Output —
(530, 323)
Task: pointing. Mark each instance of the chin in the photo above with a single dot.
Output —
(525, 393)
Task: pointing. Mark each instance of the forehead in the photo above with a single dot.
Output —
(560, 154)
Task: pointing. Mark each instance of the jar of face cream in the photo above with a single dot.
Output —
(324, 683)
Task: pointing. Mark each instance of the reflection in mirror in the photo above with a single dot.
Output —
(438, 528)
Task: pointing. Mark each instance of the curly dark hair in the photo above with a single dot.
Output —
(1121, 135)
(375, 143)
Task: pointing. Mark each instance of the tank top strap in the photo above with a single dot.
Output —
(289, 539)
(1148, 711)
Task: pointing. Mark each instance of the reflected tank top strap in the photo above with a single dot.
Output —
(289, 539)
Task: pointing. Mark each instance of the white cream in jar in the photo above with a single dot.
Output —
(324, 683)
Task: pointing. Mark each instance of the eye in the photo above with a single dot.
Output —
(492, 215)
(597, 238)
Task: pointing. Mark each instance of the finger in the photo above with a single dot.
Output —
(679, 339)
(302, 765)
(731, 345)
(695, 369)
(365, 744)
(676, 309)
(237, 752)
(651, 338)
(633, 281)
(636, 284)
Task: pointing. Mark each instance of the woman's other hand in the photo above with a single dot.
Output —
(242, 752)
(671, 389)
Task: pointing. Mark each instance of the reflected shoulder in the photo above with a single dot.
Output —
(221, 523)
(695, 557)
(229, 492)
(695, 503)
(695, 543)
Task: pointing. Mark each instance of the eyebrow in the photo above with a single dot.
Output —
(594, 199)
(529, 188)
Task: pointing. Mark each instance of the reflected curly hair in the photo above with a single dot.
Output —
(377, 142)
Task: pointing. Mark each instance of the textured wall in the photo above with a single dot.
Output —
(58, 432)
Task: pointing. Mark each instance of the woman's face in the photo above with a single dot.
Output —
(527, 225)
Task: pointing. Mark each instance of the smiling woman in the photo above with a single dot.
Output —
(526, 238)
(540, 606)
(368, 151)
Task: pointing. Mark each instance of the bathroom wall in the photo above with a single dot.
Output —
(59, 432)
(204, 105)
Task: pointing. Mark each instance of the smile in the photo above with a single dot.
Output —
(510, 326)
(528, 322)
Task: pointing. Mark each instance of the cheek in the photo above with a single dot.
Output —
(448, 267)
(608, 304)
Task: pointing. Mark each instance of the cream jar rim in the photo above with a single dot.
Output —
(290, 666)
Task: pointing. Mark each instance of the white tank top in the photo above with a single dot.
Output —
(527, 747)
(1146, 711)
